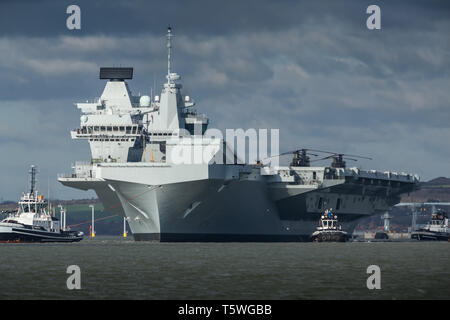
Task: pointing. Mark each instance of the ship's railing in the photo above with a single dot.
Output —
(99, 160)
(374, 174)
(74, 175)
(109, 130)
(342, 173)
(82, 169)
(66, 175)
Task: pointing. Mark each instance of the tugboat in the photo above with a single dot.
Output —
(33, 221)
(437, 228)
(329, 230)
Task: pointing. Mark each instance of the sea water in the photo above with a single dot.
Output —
(118, 268)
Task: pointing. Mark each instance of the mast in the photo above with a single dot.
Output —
(32, 172)
(49, 205)
(169, 47)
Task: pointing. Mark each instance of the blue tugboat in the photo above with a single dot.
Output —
(329, 230)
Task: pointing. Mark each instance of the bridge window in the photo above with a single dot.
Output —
(128, 130)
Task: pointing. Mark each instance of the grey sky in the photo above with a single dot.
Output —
(310, 68)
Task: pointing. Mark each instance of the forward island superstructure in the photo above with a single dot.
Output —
(145, 166)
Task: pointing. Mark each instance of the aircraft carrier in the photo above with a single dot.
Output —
(135, 170)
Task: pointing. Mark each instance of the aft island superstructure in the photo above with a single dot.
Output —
(143, 166)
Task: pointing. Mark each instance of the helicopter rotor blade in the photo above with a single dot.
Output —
(292, 152)
(342, 154)
(355, 156)
(324, 158)
(279, 155)
(332, 154)
(322, 151)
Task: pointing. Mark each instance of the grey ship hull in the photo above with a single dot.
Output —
(242, 211)
(238, 209)
(205, 210)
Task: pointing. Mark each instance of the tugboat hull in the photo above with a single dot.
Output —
(17, 234)
(330, 237)
(430, 236)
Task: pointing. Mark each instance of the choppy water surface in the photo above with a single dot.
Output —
(116, 268)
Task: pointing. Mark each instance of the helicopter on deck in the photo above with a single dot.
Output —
(302, 157)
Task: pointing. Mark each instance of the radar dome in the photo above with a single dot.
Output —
(144, 101)
(84, 118)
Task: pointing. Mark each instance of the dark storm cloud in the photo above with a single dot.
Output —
(311, 68)
(204, 17)
(125, 17)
